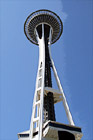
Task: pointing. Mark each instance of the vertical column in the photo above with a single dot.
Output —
(49, 112)
(37, 114)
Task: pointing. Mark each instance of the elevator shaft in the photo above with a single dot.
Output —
(49, 112)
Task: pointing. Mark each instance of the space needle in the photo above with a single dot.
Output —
(43, 28)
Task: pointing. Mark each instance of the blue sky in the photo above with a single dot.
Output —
(72, 54)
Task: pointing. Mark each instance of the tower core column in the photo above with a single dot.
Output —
(49, 113)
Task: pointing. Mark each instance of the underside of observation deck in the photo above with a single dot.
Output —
(43, 16)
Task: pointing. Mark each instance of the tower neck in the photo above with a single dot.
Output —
(43, 32)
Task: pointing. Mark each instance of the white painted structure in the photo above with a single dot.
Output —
(38, 129)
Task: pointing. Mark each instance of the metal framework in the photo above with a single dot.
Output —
(43, 28)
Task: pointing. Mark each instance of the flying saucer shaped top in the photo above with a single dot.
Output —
(46, 17)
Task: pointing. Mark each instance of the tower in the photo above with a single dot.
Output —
(44, 28)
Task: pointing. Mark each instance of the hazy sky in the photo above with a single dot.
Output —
(72, 54)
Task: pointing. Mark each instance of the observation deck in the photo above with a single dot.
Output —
(46, 17)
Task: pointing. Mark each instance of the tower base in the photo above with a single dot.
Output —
(55, 131)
